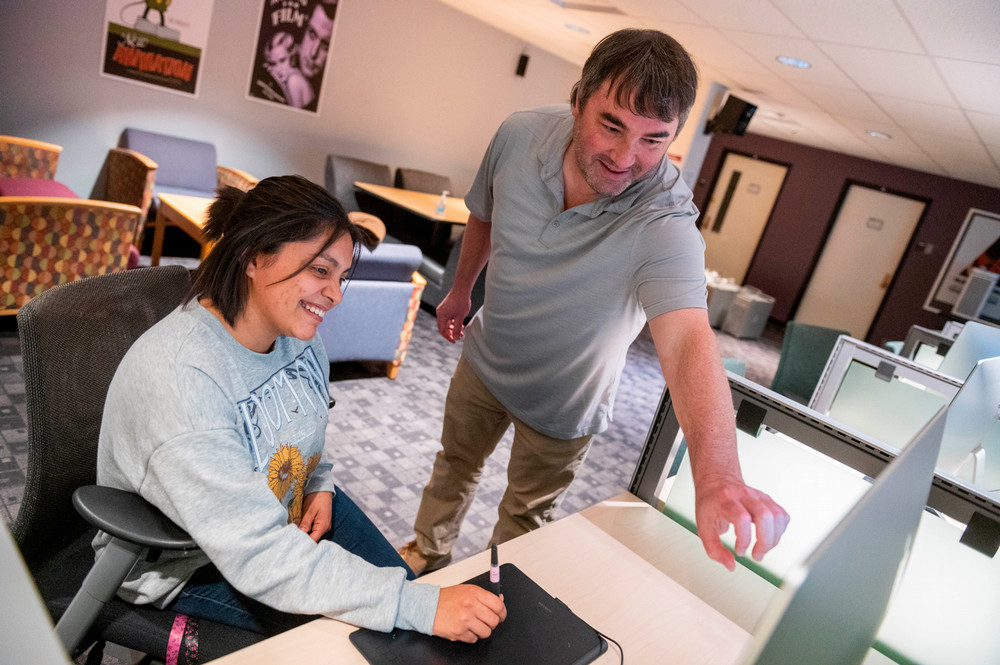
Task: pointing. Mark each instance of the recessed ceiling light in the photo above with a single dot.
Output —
(577, 28)
(793, 62)
(875, 134)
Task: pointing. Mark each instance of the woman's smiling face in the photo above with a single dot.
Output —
(293, 306)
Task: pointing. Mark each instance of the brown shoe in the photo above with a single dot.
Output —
(419, 562)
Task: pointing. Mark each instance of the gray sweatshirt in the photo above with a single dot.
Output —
(226, 442)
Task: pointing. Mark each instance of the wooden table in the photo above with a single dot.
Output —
(186, 212)
(420, 203)
(598, 563)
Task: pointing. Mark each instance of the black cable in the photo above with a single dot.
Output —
(621, 651)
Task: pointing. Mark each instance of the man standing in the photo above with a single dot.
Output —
(589, 232)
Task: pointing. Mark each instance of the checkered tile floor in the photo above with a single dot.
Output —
(384, 434)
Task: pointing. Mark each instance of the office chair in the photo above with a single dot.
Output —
(72, 339)
(804, 352)
(342, 172)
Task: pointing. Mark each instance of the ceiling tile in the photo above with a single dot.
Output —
(848, 103)
(663, 10)
(987, 126)
(965, 30)
(941, 120)
(752, 15)
(767, 48)
(976, 86)
(902, 75)
(872, 23)
(899, 140)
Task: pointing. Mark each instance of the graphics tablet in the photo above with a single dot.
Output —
(538, 629)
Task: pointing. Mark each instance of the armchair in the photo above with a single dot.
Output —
(27, 158)
(49, 241)
(184, 166)
(72, 340)
(127, 177)
(375, 319)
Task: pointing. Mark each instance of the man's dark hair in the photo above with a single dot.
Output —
(650, 74)
(247, 225)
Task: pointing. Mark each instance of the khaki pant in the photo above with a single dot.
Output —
(541, 468)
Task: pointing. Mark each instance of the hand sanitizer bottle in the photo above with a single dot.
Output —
(442, 202)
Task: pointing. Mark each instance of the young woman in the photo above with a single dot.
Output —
(217, 415)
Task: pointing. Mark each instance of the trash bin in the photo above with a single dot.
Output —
(720, 297)
(748, 313)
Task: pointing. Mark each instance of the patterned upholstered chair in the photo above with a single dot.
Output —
(45, 241)
(127, 177)
(26, 158)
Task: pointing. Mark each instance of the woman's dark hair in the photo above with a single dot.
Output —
(650, 73)
(246, 225)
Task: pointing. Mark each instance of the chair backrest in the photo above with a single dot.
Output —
(58, 240)
(183, 163)
(342, 172)
(27, 158)
(804, 352)
(126, 177)
(72, 339)
(423, 181)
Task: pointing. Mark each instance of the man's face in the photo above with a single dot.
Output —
(612, 147)
(315, 43)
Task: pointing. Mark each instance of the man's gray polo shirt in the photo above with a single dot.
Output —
(568, 291)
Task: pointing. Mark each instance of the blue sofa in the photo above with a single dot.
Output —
(375, 319)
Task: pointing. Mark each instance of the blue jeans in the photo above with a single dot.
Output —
(208, 595)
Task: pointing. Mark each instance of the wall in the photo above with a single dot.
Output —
(408, 83)
(799, 224)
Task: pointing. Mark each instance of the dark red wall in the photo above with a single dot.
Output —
(806, 206)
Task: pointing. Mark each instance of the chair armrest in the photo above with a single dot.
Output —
(227, 176)
(128, 516)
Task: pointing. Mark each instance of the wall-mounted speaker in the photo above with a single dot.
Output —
(732, 118)
(522, 64)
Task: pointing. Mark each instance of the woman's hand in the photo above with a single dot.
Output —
(317, 514)
(467, 613)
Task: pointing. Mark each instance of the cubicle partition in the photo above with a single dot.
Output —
(818, 469)
(879, 393)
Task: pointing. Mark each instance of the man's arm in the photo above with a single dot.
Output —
(689, 358)
(475, 253)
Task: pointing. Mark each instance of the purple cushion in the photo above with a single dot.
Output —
(34, 187)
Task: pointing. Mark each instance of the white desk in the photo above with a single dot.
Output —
(595, 562)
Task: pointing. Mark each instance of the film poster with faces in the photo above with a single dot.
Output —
(157, 43)
(293, 42)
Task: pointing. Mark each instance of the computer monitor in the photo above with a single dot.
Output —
(882, 394)
(830, 607)
(971, 447)
(26, 632)
(925, 346)
(976, 342)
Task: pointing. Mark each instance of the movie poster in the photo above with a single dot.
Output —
(293, 41)
(156, 42)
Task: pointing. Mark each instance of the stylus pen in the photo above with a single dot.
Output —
(494, 570)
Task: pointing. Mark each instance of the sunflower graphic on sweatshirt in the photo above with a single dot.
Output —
(284, 470)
